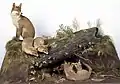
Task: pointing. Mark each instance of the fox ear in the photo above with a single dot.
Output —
(13, 4)
(20, 5)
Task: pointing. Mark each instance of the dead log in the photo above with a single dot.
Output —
(88, 46)
(81, 38)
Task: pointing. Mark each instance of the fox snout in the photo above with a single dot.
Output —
(16, 13)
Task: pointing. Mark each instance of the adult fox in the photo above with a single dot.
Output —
(24, 26)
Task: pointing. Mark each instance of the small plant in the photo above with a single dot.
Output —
(98, 23)
(89, 24)
(75, 25)
(64, 31)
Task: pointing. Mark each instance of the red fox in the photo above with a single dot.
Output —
(24, 26)
(81, 74)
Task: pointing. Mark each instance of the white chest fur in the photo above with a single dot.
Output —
(15, 19)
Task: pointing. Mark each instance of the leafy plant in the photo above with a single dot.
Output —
(64, 31)
(75, 24)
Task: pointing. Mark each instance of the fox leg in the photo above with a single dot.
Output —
(32, 51)
(18, 32)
